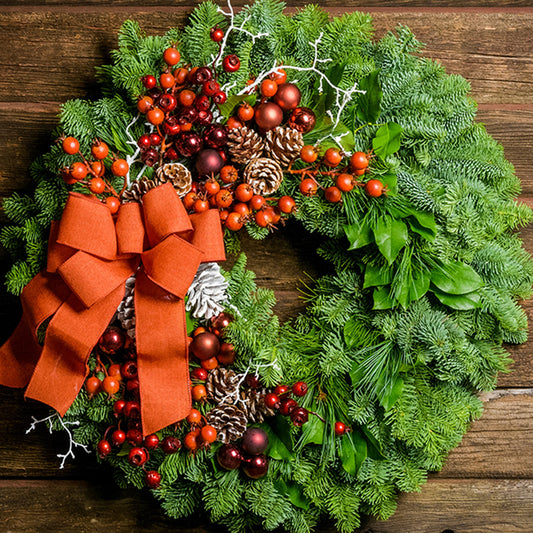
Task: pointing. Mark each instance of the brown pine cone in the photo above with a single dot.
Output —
(177, 174)
(229, 421)
(222, 385)
(264, 175)
(126, 309)
(244, 144)
(138, 189)
(253, 404)
(283, 145)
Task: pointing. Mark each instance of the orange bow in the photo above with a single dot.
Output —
(90, 256)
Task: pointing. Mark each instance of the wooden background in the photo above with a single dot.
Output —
(50, 49)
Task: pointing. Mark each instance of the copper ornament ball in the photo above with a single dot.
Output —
(302, 119)
(268, 116)
(205, 345)
(288, 96)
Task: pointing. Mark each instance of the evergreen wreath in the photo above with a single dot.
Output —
(372, 148)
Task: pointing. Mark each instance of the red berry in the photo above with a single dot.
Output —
(345, 182)
(208, 434)
(299, 416)
(220, 98)
(300, 388)
(234, 222)
(171, 56)
(228, 174)
(137, 456)
(78, 171)
(245, 112)
(134, 437)
(129, 370)
(151, 441)
(132, 385)
(224, 198)
(111, 385)
(118, 438)
(199, 373)
(98, 168)
(332, 157)
(233, 123)
(99, 150)
(167, 103)
(149, 82)
(242, 209)
(170, 445)
(286, 204)
(113, 204)
(70, 145)
(281, 390)
(263, 218)
(287, 406)
(272, 401)
(155, 139)
(231, 63)
(210, 88)
(216, 34)
(333, 194)
(244, 192)
(212, 187)
(97, 185)
(226, 355)
(132, 409)
(257, 202)
(308, 187)
(374, 188)
(280, 76)
(359, 161)
(103, 448)
(152, 479)
(209, 364)
(340, 428)
(92, 385)
(118, 407)
(120, 167)
(114, 371)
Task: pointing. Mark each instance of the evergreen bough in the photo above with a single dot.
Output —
(405, 376)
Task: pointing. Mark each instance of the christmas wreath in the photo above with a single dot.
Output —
(242, 122)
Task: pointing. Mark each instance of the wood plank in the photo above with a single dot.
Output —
(443, 505)
(58, 54)
(462, 506)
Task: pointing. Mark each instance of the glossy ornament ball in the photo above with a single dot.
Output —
(254, 441)
(111, 341)
(229, 457)
(288, 96)
(221, 321)
(205, 345)
(188, 143)
(256, 467)
(215, 136)
(209, 162)
(302, 119)
(268, 116)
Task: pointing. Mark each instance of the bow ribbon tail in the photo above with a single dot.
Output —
(71, 336)
(162, 355)
(18, 356)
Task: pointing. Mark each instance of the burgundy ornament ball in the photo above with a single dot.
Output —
(268, 116)
(111, 341)
(205, 345)
(215, 136)
(208, 161)
(188, 143)
(302, 119)
(229, 457)
(256, 467)
(254, 441)
(288, 96)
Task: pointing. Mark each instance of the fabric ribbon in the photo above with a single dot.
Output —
(90, 256)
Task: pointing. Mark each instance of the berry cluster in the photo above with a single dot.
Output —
(281, 400)
(346, 175)
(249, 455)
(90, 173)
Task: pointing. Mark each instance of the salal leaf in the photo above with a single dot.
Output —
(387, 139)
(391, 236)
(352, 451)
(455, 277)
(294, 492)
(389, 395)
(369, 103)
(358, 234)
(382, 299)
(419, 285)
(460, 302)
(377, 275)
(276, 449)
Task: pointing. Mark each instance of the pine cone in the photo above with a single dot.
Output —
(264, 175)
(222, 385)
(138, 189)
(126, 308)
(284, 145)
(207, 291)
(244, 144)
(229, 421)
(177, 174)
(252, 402)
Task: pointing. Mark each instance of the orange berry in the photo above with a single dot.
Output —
(245, 112)
(120, 167)
(233, 123)
(209, 364)
(208, 434)
(194, 417)
(97, 185)
(166, 80)
(269, 88)
(199, 392)
(70, 145)
(113, 204)
(155, 116)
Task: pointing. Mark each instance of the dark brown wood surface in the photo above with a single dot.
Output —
(50, 50)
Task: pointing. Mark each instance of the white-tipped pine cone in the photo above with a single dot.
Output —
(138, 189)
(284, 145)
(229, 421)
(264, 175)
(222, 385)
(177, 174)
(126, 308)
(252, 403)
(244, 144)
(207, 292)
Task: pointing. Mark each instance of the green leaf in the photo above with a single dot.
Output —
(276, 449)
(461, 302)
(226, 109)
(382, 300)
(391, 236)
(387, 139)
(358, 234)
(334, 75)
(377, 275)
(455, 277)
(294, 492)
(283, 429)
(352, 451)
(369, 103)
(312, 430)
(391, 182)
(419, 285)
(391, 394)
